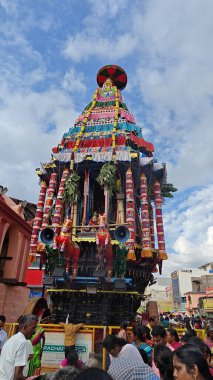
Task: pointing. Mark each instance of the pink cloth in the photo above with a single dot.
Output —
(175, 345)
(64, 363)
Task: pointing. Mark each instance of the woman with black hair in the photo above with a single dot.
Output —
(173, 338)
(163, 360)
(190, 364)
(189, 334)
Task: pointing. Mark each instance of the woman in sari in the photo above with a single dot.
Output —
(38, 342)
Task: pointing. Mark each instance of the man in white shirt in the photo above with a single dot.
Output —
(3, 334)
(15, 352)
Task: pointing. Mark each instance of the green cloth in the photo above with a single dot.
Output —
(35, 362)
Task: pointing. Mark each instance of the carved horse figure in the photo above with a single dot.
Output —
(69, 248)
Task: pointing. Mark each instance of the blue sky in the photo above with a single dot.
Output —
(51, 51)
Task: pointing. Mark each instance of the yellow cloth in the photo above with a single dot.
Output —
(70, 331)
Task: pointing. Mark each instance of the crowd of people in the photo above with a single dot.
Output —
(147, 352)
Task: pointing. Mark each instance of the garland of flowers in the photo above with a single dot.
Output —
(107, 104)
(84, 122)
(115, 124)
(107, 177)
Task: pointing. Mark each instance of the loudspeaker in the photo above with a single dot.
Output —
(122, 234)
(119, 285)
(58, 272)
(47, 236)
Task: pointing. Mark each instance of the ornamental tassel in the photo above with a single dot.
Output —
(152, 230)
(146, 241)
(130, 214)
(37, 222)
(159, 221)
(49, 199)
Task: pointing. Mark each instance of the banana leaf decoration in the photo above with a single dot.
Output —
(166, 190)
(107, 177)
(71, 188)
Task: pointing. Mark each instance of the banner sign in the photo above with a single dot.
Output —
(53, 352)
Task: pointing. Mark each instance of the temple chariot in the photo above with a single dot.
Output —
(98, 226)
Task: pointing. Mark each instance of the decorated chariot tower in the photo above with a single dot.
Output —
(99, 225)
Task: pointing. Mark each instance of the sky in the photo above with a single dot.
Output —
(50, 53)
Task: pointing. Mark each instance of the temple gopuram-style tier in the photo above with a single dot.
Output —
(98, 226)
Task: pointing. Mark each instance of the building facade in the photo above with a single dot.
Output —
(15, 233)
(190, 281)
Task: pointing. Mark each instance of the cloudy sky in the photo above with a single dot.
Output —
(51, 51)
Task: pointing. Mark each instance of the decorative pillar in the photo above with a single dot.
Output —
(74, 215)
(120, 219)
(130, 214)
(59, 204)
(146, 240)
(106, 202)
(49, 199)
(159, 221)
(152, 230)
(86, 195)
(37, 222)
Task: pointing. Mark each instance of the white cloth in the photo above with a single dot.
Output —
(3, 338)
(129, 352)
(14, 354)
(29, 352)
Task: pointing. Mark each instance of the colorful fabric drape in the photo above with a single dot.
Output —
(130, 214)
(146, 241)
(159, 221)
(59, 204)
(37, 222)
(49, 199)
(152, 230)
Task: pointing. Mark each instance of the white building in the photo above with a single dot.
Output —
(186, 280)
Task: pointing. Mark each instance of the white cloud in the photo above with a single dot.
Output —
(83, 46)
(74, 81)
(25, 116)
(189, 231)
(175, 78)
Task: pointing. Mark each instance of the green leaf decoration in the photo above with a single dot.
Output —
(107, 177)
(167, 189)
(71, 188)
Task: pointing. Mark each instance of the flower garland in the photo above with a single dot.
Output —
(115, 124)
(84, 122)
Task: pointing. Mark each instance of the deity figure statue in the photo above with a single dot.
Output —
(93, 222)
(120, 260)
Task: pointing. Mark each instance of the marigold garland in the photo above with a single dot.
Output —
(84, 122)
